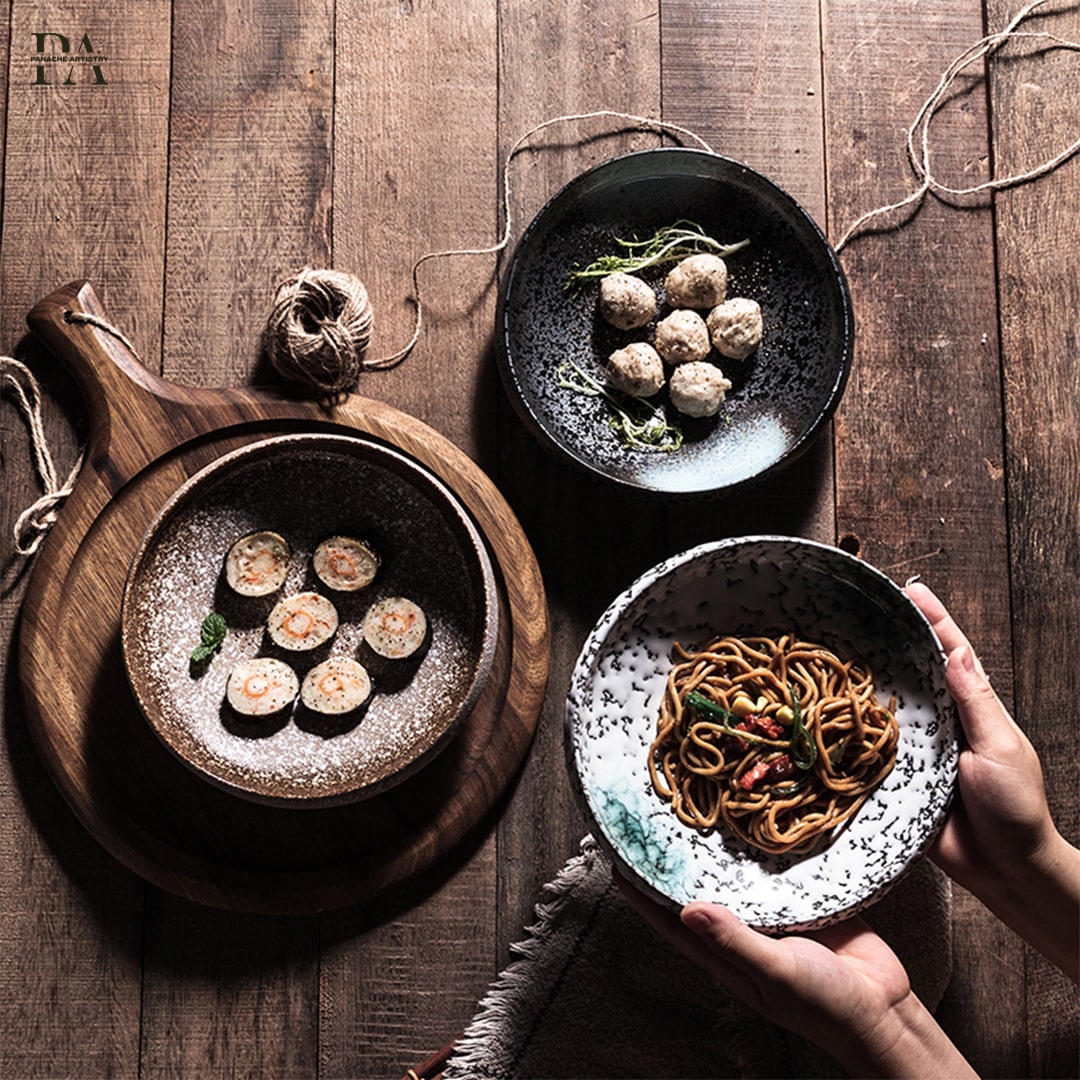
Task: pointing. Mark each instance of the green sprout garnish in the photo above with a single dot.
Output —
(648, 430)
(668, 245)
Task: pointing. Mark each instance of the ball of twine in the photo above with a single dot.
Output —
(319, 329)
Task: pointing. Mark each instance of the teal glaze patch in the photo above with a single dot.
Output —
(630, 831)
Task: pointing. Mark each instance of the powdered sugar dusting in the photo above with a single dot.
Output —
(308, 488)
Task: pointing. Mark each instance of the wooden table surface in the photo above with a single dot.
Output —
(218, 148)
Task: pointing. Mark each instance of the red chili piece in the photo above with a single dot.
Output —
(780, 768)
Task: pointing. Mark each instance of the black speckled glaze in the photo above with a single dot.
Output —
(781, 396)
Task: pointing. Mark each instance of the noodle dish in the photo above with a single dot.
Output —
(763, 722)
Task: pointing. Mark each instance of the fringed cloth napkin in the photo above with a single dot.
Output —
(597, 993)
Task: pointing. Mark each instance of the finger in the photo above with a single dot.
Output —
(668, 925)
(949, 634)
(733, 942)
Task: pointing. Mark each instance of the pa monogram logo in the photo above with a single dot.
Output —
(58, 61)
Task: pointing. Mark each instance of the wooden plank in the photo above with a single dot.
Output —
(746, 77)
(415, 171)
(919, 453)
(250, 157)
(84, 191)
(398, 978)
(558, 59)
(228, 995)
(1038, 231)
(249, 203)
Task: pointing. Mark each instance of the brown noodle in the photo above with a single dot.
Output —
(768, 687)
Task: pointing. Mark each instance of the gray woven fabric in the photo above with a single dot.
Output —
(594, 992)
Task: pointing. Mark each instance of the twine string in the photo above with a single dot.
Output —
(85, 317)
(631, 120)
(34, 523)
(918, 137)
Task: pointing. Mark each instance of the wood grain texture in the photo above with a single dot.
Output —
(1032, 94)
(417, 172)
(746, 76)
(920, 476)
(121, 784)
(250, 176)
(84, 191)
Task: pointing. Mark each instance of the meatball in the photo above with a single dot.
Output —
(636, 370)
(697, 388)
(735, 327)
(699, 281)
(626, 301)
(682, 337)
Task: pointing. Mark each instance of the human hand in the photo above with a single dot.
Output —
(999, 840)
(1001, 818)
(841, 987)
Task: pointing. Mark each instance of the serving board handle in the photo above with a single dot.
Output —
(136, 416)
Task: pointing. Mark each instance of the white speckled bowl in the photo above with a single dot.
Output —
(307, 487)
(761, 585)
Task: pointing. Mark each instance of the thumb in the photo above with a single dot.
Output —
(735, 947)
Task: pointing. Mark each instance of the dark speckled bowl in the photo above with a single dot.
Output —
(782, 396)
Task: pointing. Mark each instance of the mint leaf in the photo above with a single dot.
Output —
(211, 635)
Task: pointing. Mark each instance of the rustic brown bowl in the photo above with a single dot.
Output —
(308, 487)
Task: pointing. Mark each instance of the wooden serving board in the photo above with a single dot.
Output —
(143, 805)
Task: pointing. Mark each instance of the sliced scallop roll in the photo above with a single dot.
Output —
(395, 627)
(345, 564)
(302, 621)
(261, 686)
(336, 686)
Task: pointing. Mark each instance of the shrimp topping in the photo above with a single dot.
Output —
(302, 621)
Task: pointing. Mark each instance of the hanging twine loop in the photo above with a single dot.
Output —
(319, 330)
(34, 523)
